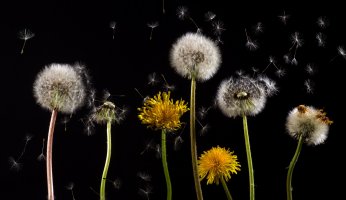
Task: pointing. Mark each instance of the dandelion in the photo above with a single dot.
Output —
(162, 113)
(152, 25)
(58, 88)
(217, 165)
(113, 25)
(306, 124)
(195, 57)
(25, 35)
(245, 96)
(15, 163)
(105, 114)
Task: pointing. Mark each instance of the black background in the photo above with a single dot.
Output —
(69, 32)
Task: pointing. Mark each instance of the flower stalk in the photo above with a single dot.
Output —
(165, 165)
(49, 164)
(108, 160)
(249, 158)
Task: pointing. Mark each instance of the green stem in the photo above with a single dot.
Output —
(291, 168)
(49, 156)
(249, 159)
(164, 164)
(224, 185)
(108, 159)
(198, 187)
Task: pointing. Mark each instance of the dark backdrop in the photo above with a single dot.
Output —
(69, 32)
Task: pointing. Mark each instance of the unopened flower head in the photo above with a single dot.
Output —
(60, 87)
(217, 163)
(161, 112)
(310, 123)
(194, 55)
(104, 113)
(243, 96)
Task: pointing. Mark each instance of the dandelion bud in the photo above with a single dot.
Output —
(60, 87)
(194, 55)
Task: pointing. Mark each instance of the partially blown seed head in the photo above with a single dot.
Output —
(311, 123)
(194, 55)
(243, 96)
(60, 87)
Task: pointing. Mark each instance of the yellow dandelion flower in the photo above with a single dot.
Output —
(217, 163)
(161, 112)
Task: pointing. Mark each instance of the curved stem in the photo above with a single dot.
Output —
(291, 168)
(49, 155)
(198, 187)
(108, 159)
(224, 185)
(249, 159)
(164, 164)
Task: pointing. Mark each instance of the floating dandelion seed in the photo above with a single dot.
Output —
(42, 156)
(152, 79)
(204, 129)
(218, 40)
(167, 86)
(158, 151)
(145, 192)
(322, 22)
(279, 72)
(209, 16)
(218, 27)
(144, 176)
(65, 120)
(296, 43)
(178, 141)
(70, 187)
(341, 52)
(203, 111)
(309, 86)
(310, 69)
(148, 146)
(15, 163)
(320, 37)
(113, 26)
(284, 18)
(254, 70)
(25, 35)
(117, 183)
(183, 14)
(250, 44)
(258, 27)
(152, 25)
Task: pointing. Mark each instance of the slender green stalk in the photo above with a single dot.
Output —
(164, 164)
(224, 185)
(198, 187)
(249, 159)
(291, 168)
(49, 164)
(108, 159)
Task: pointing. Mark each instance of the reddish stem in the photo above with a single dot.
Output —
(49, 155)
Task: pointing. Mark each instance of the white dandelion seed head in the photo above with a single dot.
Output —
(311, 123)
(195, 55)
(60, 87)
(241, 96)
